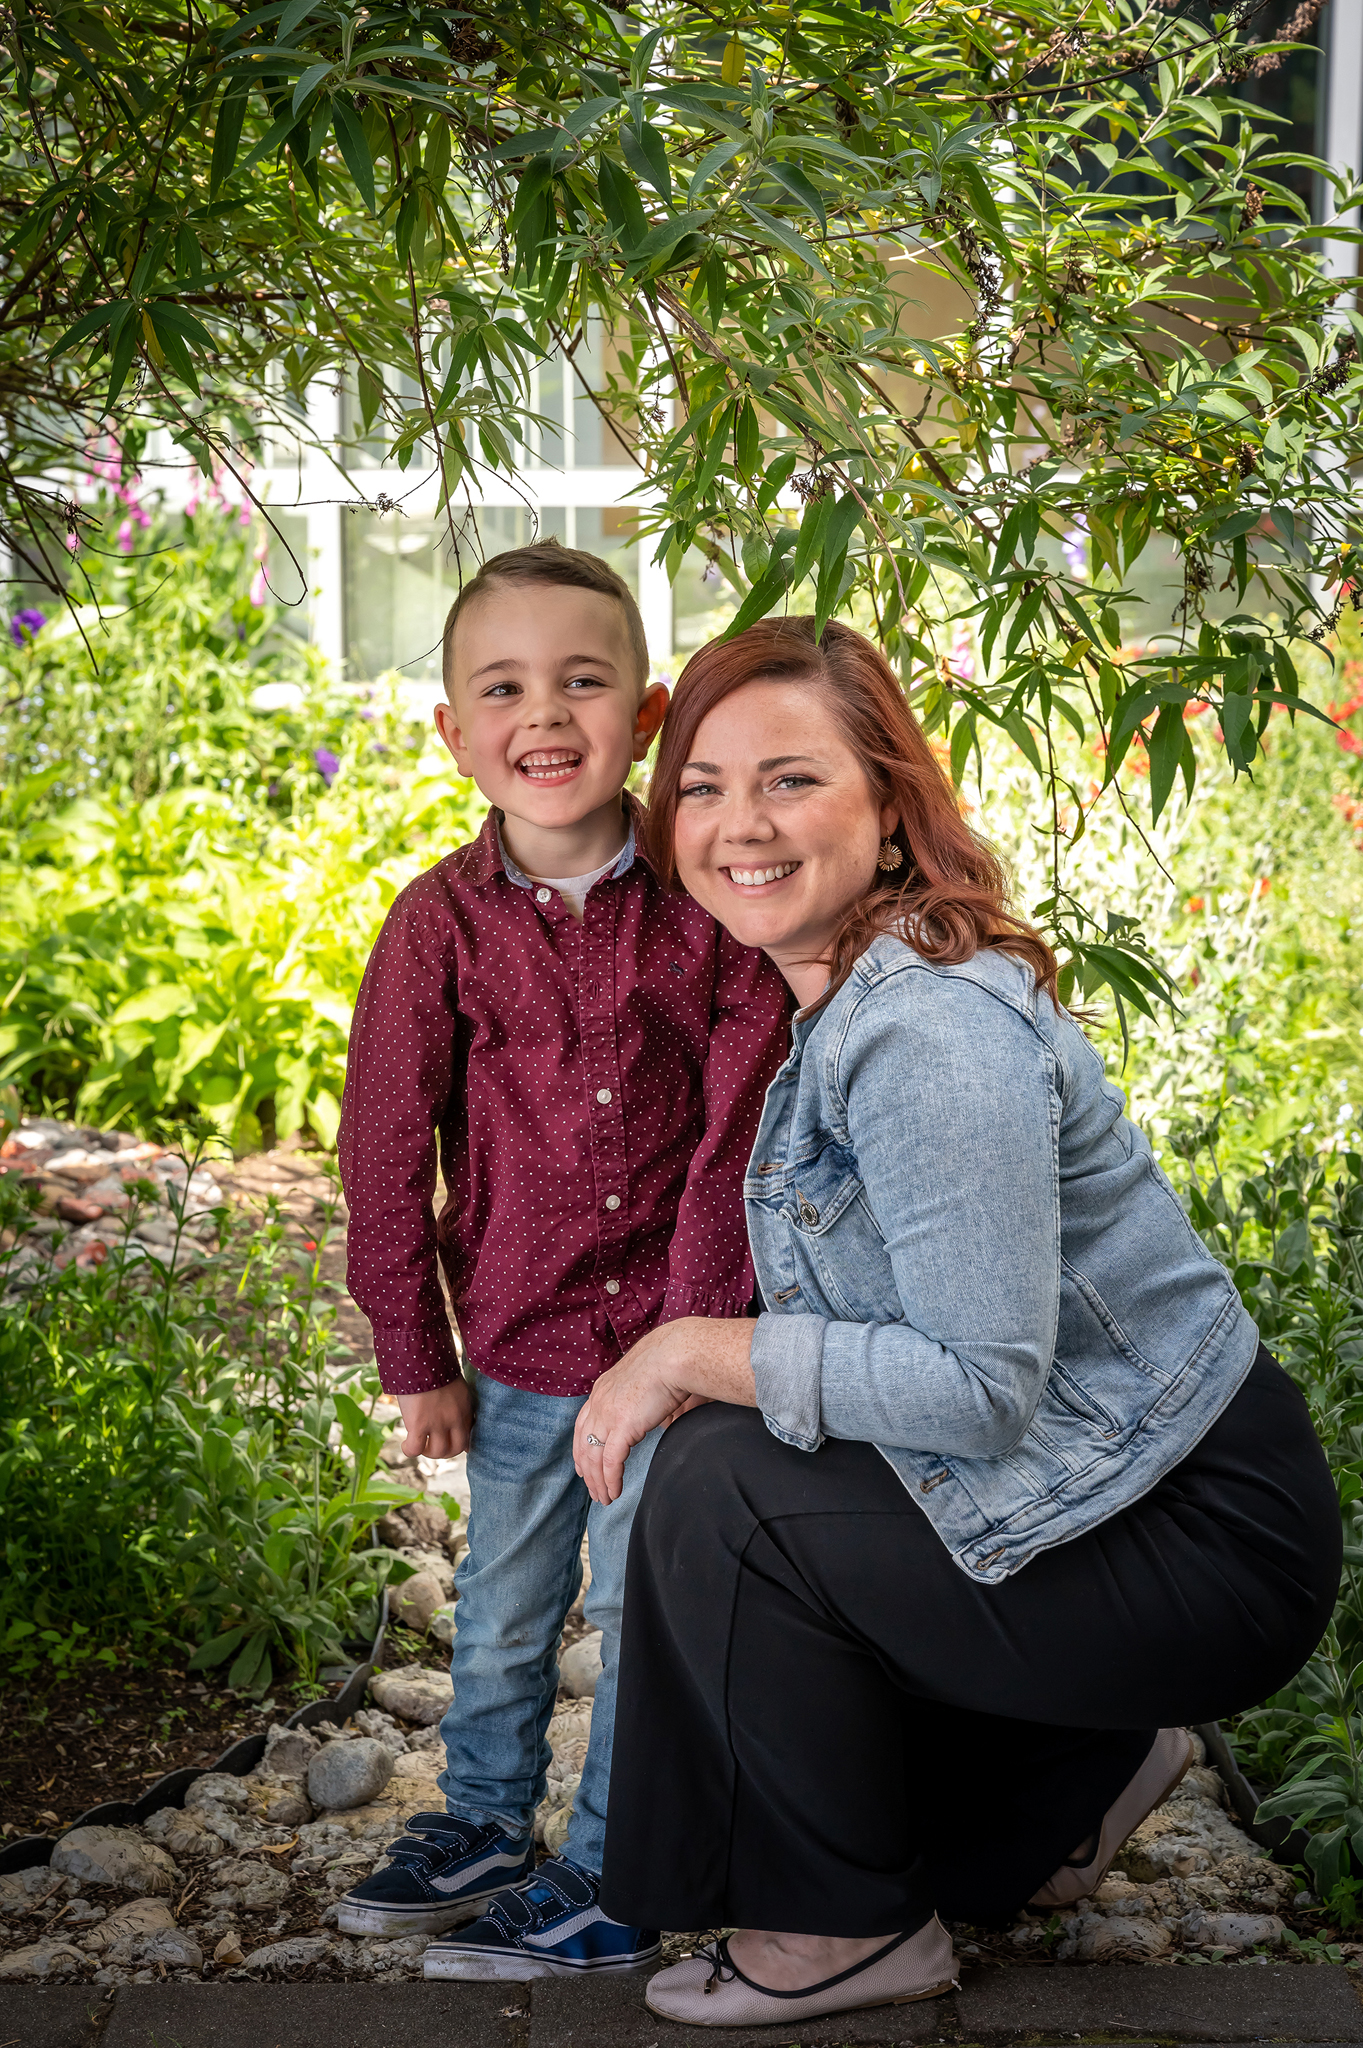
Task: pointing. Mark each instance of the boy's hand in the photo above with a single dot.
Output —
(439, 1423)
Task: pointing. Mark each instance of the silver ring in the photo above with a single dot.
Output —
(597, 1443)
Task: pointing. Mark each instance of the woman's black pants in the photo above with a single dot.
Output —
(825, 1727)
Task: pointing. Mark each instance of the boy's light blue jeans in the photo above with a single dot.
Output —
(520, 1575)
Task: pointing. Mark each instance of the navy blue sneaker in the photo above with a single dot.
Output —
(441, 1871)
(549, 1926)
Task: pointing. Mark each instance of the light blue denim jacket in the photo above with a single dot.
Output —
(970, 1259)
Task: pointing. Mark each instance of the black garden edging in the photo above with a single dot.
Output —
(31, 1851)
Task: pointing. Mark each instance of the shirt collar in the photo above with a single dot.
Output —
(523, 881)
(488, 857)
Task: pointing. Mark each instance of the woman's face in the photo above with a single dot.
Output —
(777, 826)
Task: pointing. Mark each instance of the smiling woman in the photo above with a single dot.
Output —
(1001, 1476)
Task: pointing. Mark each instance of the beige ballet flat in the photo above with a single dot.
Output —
(709, 1989)
(1169, 1757)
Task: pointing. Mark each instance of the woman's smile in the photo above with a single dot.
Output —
(750, 879)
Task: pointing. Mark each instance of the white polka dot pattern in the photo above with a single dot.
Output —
(594, 1089)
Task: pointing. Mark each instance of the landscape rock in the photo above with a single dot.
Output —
(580, 1667)
(1094, 1938)
(443, 1624)
(100, 1855)
(41, 1959)
(144, 1932)
(243, 1884)
(278, 1802)
(416, 1599)
(295, 1954)
(383, 1728)
(1233, 1930)
(182, 1833)
(19, 1888)
(414, 1694)
(216, 1788)
(346, 1774)
(289, 1751)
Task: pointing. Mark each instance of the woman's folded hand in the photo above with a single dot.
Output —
(674, 1368)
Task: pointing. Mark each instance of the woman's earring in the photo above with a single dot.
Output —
(889, 858)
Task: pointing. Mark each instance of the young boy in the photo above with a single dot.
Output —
(591, 1051)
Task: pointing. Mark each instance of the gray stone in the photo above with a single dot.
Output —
(183, 1833)
(1232, 1930)
(289, 1751)
(580, 1667)
(19, 1888)
(414, 1602)
(295, 1954)
(444, 1623)
(216, 1788)
(413, 1693)
(142, 1932)
(99, 1855)
(41, 1959)
(246, 1883)
(346, 1774)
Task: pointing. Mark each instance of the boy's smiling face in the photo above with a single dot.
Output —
(547, 716)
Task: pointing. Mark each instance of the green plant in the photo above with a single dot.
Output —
(186, 898)
(159, 1490)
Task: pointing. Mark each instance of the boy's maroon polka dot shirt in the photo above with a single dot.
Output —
(594, 1090)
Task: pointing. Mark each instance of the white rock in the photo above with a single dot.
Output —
(580, 1667)
(248, 1884)
(443, 1624)
(182, 1833)
(291, 1955)
(216, 1788)
(1094, 1938)
(144, 1931)
(19, 1888)
(289, 1751)
(41, 1959)
(1232, 1930)
(414, 1602)
(346, 1774)
(99, 1855)
(414, 1694)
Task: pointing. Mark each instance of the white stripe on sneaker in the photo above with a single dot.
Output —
(563, 1930)
(501, 1859)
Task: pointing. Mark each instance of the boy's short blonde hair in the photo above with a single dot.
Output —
(548, 561)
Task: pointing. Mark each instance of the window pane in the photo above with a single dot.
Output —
(402, 575)
(703, 602)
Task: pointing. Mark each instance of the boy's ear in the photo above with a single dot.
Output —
(648, 718)
(452, 734)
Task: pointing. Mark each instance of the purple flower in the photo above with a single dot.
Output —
(25, 626)
(327, 765)
(1075, 545)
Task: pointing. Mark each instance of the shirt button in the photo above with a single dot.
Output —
(603, 1095)
(541, 895)
(612, 1287)
(612, 1201)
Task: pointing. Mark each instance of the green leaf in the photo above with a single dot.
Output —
(646, 155)
(785, 236)
(1166, 748)
(354, 149)
(227, 135)
(800, 187)
(217, 1651)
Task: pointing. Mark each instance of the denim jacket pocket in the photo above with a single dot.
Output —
(834, 1240)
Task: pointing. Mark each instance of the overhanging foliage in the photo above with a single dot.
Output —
(748, 205)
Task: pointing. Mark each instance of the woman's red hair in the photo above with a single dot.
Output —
(949, 899)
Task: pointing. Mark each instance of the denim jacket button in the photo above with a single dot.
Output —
(808, 1213)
